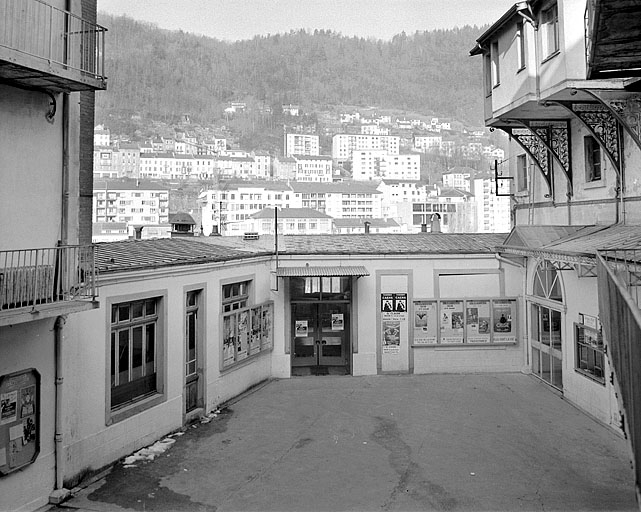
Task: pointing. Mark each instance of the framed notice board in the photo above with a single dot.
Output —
(19, 419)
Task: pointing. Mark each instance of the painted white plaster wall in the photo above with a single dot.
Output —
(31, 176)
(24, 346)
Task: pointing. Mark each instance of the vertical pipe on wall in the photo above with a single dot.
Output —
(58, 436)
(64, 214)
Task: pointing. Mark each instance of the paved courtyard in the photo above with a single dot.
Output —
(500, 442)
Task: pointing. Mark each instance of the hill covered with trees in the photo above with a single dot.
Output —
(162, 74)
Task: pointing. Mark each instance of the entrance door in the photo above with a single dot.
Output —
(320, 332)
(547, 345)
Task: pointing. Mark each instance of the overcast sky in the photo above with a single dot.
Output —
(232, 20)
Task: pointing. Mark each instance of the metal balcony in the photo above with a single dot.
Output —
(39, 283)
(49, 48)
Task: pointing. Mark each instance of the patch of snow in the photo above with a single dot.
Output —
(149, 453)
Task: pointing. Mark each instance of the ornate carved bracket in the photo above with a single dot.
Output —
(556, 137)
(626, 109)
(602, 125)
(535, 148)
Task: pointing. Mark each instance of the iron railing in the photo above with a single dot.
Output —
(33, 277)
(59, 37)
(618, 282)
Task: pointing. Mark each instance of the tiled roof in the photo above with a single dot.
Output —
(312, 157)
(536, 237)
(375, 223)
(125, 184)
(181, 218)
(139, 254)
(326, 271)
(599, 238)
(454, 192)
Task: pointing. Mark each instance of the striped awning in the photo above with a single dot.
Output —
(326, 271)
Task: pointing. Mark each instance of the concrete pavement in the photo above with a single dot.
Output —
(500, 442)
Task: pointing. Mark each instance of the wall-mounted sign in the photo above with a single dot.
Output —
(504, 321)
(19, 420)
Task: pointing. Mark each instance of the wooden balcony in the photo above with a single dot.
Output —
(49, 48)
(613, 38)
(40, 283)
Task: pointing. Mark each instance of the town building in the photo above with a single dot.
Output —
(101, 136)
(344, 144)
(291, 221)
(566, 92)
(317, 169)
(378, 164)
(343, 200)
(47, 277)
(302, 144)
(363, 226)
(135, 202)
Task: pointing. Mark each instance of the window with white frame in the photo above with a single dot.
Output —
(235, 295)
(134, 350)
(550, 31)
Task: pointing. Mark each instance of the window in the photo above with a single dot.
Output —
(520, 45)
(191, 334)
(592, 152)
(235, 296)
(589, 352)
(521, 172)
(494, 55)
(550, 31)
(133, 349)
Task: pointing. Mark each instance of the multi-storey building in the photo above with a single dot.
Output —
(129, 160)
(284, 168)
(428, 143)
(316, 169)
(562, 79)
(101, 136)
(459, 177)
(135, 202)
(47, 94)
(346, 200)
(493, 212)
(291, 221)
(232, 202)
(375, 164)
(344, 144)
(302, 144)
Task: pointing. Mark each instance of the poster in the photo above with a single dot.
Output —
(387, 302)
(302, 330)
(243, 335)
(503, 318)
(8, 407)
(451, 320)
(391, 336)
(268, 322)
(338, 322)
(425, 315)
(477, 321)
(255, 330)
(229, 339)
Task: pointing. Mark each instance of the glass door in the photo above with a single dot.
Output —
(546, 342)
(305, 333)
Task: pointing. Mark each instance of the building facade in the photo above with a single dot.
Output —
(46, 258)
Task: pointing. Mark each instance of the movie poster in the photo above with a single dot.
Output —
(451, 320)
(391, 336)
(477, 321)
(229, 339)
(425, 322)
(255, 331)
(267, 327)
(243, 335)
(503, 318)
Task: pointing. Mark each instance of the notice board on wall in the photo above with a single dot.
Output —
(19, 419)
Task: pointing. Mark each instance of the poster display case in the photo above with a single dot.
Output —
(19, 420)
(484, 321)
(247, 332)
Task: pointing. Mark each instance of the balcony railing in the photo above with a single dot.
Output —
(58, 39)
(618, 276)
(33, 278)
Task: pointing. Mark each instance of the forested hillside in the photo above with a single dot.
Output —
(160, 73)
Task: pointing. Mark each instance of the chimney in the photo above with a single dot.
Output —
(138, 234)
(367, 223)
(436, 223)
(423, 228)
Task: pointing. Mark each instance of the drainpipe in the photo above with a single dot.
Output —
(64, 214)
(59, 493)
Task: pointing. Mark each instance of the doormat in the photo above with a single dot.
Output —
(320, 370)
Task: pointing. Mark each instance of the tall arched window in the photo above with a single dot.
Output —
(546, 324)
